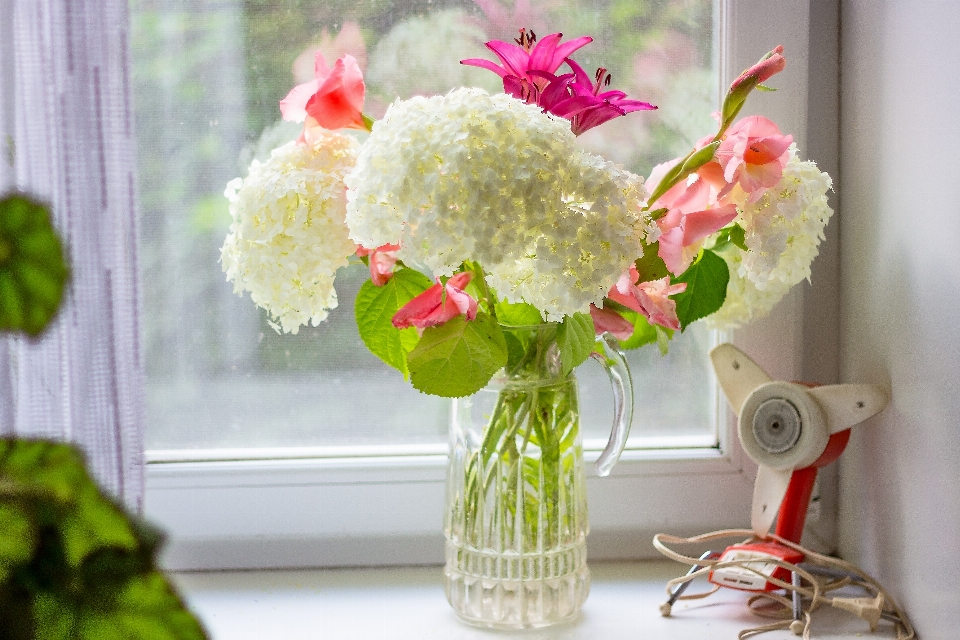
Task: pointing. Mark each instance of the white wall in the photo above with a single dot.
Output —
(900, 298)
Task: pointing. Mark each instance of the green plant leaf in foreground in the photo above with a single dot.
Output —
(94, 524)
(17, 536)
(459, 357)
(706, 280)
(145, 609)
(575, 337)
(32, 268)
(73, 565)
(55, 469)
(375, 307)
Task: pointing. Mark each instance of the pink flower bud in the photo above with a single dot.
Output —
(771, 64)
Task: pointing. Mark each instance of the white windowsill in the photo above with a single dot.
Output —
(404, 603)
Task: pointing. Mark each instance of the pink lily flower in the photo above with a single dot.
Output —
(529, 55)
(577, 98)
(651, 299)
(438, 304)
(753, 154)
(332, 100)
(381, 261)
(528, 74)
(771, 64)
(607, 320)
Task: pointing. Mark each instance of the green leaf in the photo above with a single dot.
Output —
(83, 569)
(459, 357)
(146, 609)
(375, 307)
(650, 265)
(143, 608)
(17, 537)
(518, 314)
(643, 332)
(55, 469)
(516, 350)
(575, 337)
(54, 617)
(94, 524)
(32, 269)
(731, 235)
(706, 290)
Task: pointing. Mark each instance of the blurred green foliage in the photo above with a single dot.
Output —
(73, 565)
(33, 272)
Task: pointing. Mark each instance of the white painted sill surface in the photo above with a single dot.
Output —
(407, 603)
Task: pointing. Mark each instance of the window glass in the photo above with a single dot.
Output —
(208, 76)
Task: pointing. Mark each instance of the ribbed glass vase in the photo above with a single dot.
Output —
(516, 518)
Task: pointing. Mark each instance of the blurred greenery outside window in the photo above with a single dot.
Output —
(208, 75)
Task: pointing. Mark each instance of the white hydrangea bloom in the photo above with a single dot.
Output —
(288, 235)
(470, 176)
(784, 229)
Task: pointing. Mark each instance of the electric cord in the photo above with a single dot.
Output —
(820, 575)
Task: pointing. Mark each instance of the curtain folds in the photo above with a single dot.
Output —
(68, 138)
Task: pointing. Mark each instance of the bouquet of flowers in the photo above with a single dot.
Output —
(474, 211)
(495, 243)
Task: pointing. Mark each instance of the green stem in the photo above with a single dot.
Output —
(536, 409)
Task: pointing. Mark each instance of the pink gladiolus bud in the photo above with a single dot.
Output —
(332, 100)
(607, 320)
(438, 304)
(771, 64)
(381, 261)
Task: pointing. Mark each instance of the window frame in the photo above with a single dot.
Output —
(353, 507)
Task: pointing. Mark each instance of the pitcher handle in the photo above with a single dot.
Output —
(615, 364)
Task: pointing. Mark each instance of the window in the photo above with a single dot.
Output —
(256, 443)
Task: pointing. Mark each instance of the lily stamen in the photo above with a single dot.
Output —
(526, 40)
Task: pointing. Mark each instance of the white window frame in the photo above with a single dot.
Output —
(354, 507)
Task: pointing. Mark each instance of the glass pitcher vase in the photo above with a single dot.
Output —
(516, 505)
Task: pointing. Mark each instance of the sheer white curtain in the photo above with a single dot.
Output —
(67, 137)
